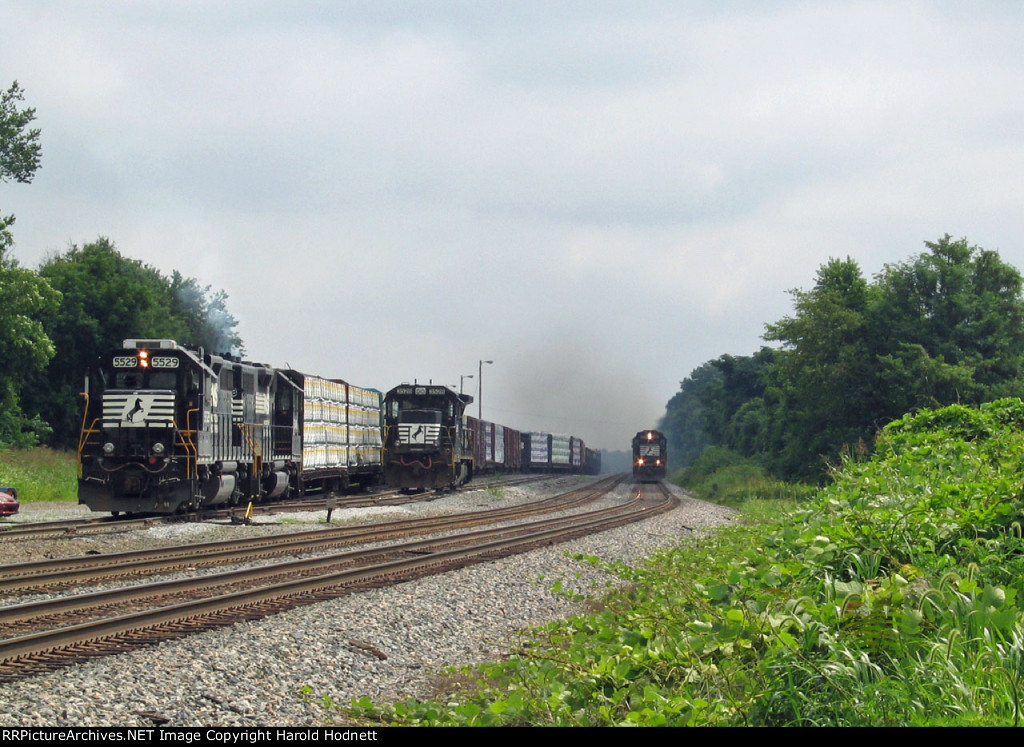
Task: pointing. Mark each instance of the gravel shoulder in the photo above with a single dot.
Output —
(387, 644)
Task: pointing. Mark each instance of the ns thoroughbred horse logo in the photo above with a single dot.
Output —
(418, 434)
(136, 410)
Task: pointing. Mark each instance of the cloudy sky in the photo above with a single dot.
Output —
(598, 196)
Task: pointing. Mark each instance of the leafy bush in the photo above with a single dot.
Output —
(725, 477)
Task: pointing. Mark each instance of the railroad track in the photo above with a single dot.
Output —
(92, 525)
(158, 612)
(62, 573)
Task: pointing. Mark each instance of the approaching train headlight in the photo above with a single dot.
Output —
(144, 359)
(640, 462)
(108, 448)
(158, 448)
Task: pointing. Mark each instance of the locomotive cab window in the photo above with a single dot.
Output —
(145, 380)
(430, 417)
(125, 380)
(162, 380)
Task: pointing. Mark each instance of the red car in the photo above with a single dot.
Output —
(9, 501)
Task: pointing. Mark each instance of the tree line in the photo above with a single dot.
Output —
(56, 321)
(943, 327)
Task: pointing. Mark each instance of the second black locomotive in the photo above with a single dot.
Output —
(427, 443)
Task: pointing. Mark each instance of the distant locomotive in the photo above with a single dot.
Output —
(649, 456)
(168, 428)
(427, 442)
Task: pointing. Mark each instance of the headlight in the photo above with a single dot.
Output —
(158, 448)
(108, 448)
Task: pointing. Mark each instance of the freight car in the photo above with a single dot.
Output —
(649, 456)
(427, 440)
(168, 428)
(551, 452)
(496, 448)
(341, 434)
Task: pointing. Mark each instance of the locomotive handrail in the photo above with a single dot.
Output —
(191, 450)
(255, 446)
(83, 436)
(453, 442)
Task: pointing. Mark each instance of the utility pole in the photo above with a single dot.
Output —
(480, 390)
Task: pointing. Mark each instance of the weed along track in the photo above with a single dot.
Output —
(57, 632)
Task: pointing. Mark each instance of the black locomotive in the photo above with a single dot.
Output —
(427, 442)
(649, 456)
(168, 428)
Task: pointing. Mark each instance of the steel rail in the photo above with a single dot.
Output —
(63, 571)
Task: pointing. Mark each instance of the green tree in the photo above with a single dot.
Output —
(719, 404)
(24, 296)
(20, 151)
(822, 395)
(943, 327)
(739, 404)
(953, 325)
(25, 348)
(687, 416)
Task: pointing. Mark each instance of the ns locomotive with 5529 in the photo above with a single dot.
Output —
(168, 428)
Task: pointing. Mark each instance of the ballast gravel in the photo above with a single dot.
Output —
(386, 644)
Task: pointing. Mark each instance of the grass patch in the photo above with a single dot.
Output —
(722, 476)
(40, 474)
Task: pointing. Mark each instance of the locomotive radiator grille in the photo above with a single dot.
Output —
(137, 409)
(427, 434)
